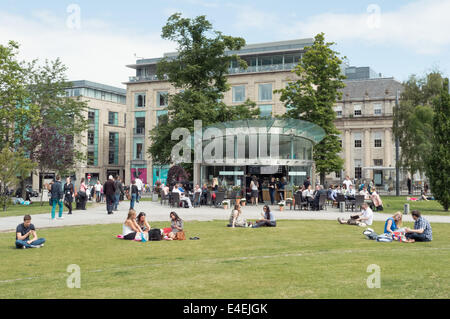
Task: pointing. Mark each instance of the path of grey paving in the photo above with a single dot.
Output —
(155, 212)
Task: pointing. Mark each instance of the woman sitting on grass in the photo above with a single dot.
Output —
(268, 219)
(175, 227)
(142, 222)
(393, 223)
(130, 227)
(236, 219)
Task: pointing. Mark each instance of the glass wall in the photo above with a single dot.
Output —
(238, 93)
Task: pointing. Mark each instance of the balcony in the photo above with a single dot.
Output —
(139, 131)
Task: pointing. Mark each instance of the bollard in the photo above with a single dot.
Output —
(406, 209)
(342, 207)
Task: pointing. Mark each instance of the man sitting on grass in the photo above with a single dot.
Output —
(422, 229)
(365, 218)
(23, 232)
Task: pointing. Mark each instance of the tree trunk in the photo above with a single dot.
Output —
(322, 179)
(22, 186)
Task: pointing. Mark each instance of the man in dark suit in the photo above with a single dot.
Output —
(109, 189)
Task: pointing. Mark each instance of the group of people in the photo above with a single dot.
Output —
(139, 226)
(422, 230)
(237, 219)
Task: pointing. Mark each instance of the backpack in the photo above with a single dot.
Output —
(384, 238)
(154, 234)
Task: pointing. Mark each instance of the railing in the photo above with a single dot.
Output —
(139, 131)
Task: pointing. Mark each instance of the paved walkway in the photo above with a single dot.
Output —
(155, 212)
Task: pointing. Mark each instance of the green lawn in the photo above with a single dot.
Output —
(33, 209)
(392, 204)
(297, 259)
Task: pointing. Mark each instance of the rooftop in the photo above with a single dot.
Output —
(98, 86)
(371, 88)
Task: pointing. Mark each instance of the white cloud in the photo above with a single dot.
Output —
(422, 26)
(97, 51)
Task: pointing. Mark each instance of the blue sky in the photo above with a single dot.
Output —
(396, 38)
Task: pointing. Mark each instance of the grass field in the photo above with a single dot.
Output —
(34, 209)
(297, 259)
(432, 207)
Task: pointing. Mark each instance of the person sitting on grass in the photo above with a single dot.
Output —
(130, 226)
(365, 218)
(176, 226)
(422, 229)
(376, 200)
(23, 232)
(236, 219)
(142, 222)
(393, 223)
(268, 219)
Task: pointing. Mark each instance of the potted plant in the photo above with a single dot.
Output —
(281, 204)
(243, 201)
(225, 204)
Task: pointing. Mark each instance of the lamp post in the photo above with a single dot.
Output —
(397, 168)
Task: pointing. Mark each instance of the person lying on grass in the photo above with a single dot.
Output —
(365, 218)
(268, 219)
(131, 227)
(23, 232)
(422, 229)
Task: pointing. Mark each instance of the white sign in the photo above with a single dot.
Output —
(297, 173)
(228, 173)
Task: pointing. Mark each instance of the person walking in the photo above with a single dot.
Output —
(83, 195)
(272, 187)
(98, 191)
(140, 186)
(134, 193)
(109, 189)
(119, 192)
(68, 195)
(57, 195)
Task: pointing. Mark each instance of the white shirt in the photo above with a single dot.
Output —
(98, 187)
(347, 183)
(368, 213)
(139, 184)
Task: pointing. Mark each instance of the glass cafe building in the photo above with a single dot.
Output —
(261, 148)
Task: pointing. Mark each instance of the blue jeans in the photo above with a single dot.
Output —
(60, 203)
(272, 195)
(23, 243)
(133, 200)
(116, 201)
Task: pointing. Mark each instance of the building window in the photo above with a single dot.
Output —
(265, 92)
(358, 140)
(139, 123)
(378, 162)
(91, 117)
(113, 118)
(337, 174)
(239, 93)
(139, 100)
(139, 154)
(113, 155)
(90, 137)
(358, 169)
(162, 99)
(377, 110)
(377, 143)
(265, 110)
(357, 110)
(90, 158)
(338, 110)
(377, 139)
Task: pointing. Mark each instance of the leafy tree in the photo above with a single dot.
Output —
(438, 163)
(51, 150)
(312, 97)
(413, 121)
(200, 70)
(13, 163)
(176, 174)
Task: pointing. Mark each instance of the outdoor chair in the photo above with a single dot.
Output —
(323, 201)
(340, 198)
(175, 200)
(297, 200)
(220, 196)
(164, 197)
(196, 201)
(359, 200)
(349, 203)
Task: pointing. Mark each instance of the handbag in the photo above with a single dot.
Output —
(180, 235)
